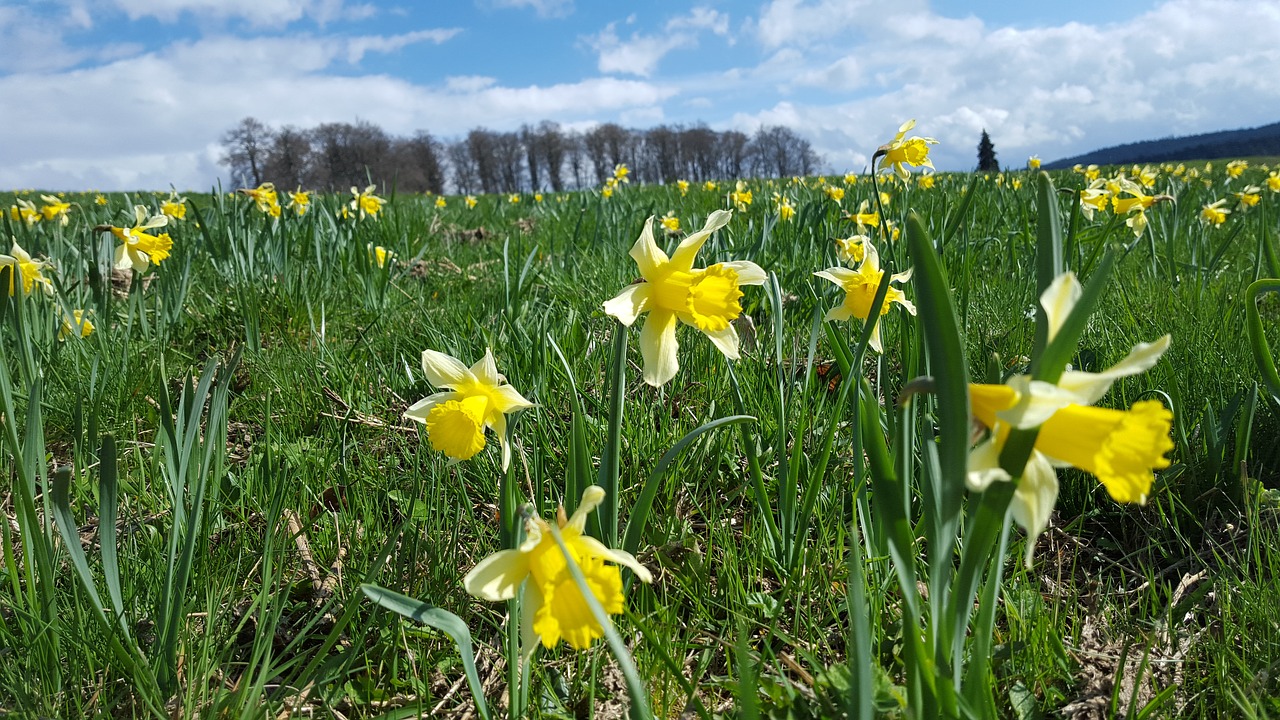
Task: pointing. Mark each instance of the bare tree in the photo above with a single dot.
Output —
(576, 158)
(509, 154)
(245, 149)
(466, 177)
(780, 152)
(288, 161)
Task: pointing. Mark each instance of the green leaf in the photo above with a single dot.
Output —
(1257, 338)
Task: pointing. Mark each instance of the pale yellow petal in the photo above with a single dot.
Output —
(658, 347)
(1034, 499)
(1087, 388)
(749, 273)
(984, 466)
(419, 410)
(629, 304)
(592, 496)
(725, 340)
(626, 559)
(498, 576)
(1058, 299)
(507, 399)
(444, 370)
(486, 369)
(688, 249)
(648, 256)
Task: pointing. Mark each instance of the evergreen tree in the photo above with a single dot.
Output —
(987, 155)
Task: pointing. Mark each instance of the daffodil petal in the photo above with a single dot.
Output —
(1034, 499)
(620, 557)
(629, 304)
(1037, 402)
(837, 275)
(725, 340)
(123, 261)
(419, 410)
(499, 425)
(683, 257)
(498, 576)
(1058, 299)
(530, 604)
(984, 466)
(648, 256)
(591, 498)
(507, 399)
(445, 370)
(659, 348)
(486, 369)
(749, 273)
(1087, 388)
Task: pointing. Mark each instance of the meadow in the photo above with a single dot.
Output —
(216, 505)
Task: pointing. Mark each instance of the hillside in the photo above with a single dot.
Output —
(1264, 140)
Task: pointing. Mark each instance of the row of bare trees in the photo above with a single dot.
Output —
(336, 156)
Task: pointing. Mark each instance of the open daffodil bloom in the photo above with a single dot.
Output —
(672, 289)
(1121, 447)
(903, 151)
(860, 290)
(554, 607)
(477, 398)
(22, 265)
(138, 249)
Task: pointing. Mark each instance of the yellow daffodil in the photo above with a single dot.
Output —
(865, 218)
(22, 265)
(1179, 171)
(606, 191)
(1016, 184)
(440, 202)
(850, 178)
(1121, 447)
(1033, 162)
(299, 201)
(1273, 181)
(786, 210)
(1094, 197)
(885, 198)
(365, 203)
(553, 608)
(925, 182)
(682, 186)
(175, 207)
(470, 201)
(740, 197)
(834, 192)
(1235, 168)
(55, 209)
(475, 399)
(1249, 196)
(1214, 213)
(852, 249)
(537, 197)
(77, 324)
(1146, 177)
(899, 152)
(620, 173)
(673, 290)
(379, 255)
(709, 186)
(100, 200)
(138, 249)
(860, 291)
(670, 222)
(24, 212)
(264, 196)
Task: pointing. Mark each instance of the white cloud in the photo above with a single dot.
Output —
(544, 8)
(259, 13)
(358, 46)
(701, 18)
(640, 54)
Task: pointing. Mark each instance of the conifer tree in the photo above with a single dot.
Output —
(987, 155)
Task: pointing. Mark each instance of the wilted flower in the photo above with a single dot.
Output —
(673, 290)
(899, 153)
(21, 264)
(553, 607)
(476, 398)
(860, 291)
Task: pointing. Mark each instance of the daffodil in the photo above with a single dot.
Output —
(139, 249)
(264, 196)
(1094, 197)
(1273, 181)
(299, 202)
(673, 290)
(850, 178)
(710, 186)
(1214, 213)
(925, 182)
(76, 324)
(379, 255)
(860, 291)
(99, 200)
(440, 202)
(834, 192)
(537, 197)
(865, 218)
(740, 196)
(620, 173)
(786, 210)
(475, 399)
(55, 209)
(553, 608)
(670, 222)
(852, 249)
(606, 191)
(470, 201)
(900, 152)
(1236, 168)
(365, 203)
(682, 186)
(1121, 447)
(1033, 162)
(1249, 196)
(22, 265)
(24, 212)
(175, 207)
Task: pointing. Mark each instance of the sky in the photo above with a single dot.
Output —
(136, 94)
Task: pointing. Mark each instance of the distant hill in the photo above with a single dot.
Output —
(1251, 142)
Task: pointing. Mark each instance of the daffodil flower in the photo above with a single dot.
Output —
(31, 271)
(860, 290)
(175, 207)
(864, 218)
(470, 201)
(682, 186)
(671, 223)
(1236, 168)
(833, 192)
(76, 324)
(441, 202)
(852, 249)
(740, 197)
(475, 399)
(25, 212)
(365, 203)
(1249, 196)
(299, 201)
(1120, 447)
(553, 607)
(620, 173)
(1214, 213)
(138, 249)
(55, 209)
(786, 210)
(1095, 197)
(900, 152)
(264, 196)
(673, 290)
(1033, 162)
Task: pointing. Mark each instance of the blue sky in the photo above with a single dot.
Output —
(127, 94)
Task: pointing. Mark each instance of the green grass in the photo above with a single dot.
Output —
(273, 619)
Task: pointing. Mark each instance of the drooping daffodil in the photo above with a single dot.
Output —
(476, 398)
(554, 607)
(1121, 447)
(860, 290)
(673, 290)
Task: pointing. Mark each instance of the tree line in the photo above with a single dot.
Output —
(336, 156)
